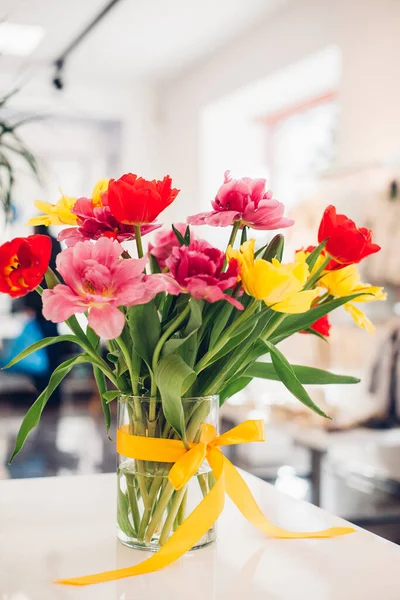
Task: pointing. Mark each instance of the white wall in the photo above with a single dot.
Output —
(366, 32)
(131, 104)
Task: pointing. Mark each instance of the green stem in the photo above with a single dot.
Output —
(128, 361)
(77, 330)
(137, 428)
(159, 511)
(155, 486)
(202, 479)
(172, 513)
(180, 517)
(315, 276)
(157, 351)
(243, 237)
(133, 501)
(211, 480)
(273, 325)
(138, 238)
(197, 420)
(136, 362)
(234, 231)
(193, 423)
(225, 338)
(322, 298)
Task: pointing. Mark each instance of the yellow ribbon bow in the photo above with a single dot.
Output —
(203, 517)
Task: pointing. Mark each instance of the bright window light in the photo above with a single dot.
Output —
(20, 40)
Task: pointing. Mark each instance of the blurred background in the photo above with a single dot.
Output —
(303, 92)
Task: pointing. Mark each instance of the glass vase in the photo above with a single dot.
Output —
(149, 509)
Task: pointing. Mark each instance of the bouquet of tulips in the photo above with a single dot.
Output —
(183, 321)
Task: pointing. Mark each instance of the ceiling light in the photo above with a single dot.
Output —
(20, 40)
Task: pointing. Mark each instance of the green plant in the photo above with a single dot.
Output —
(12, 147)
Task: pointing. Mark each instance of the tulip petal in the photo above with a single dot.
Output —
(215, 218)
(359, 317)
(60, 303)
(297, 303)
(107, 321)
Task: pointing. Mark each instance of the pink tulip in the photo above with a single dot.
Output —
(197, 269)
(164, 242)
(99, 281)
(244, 200)
(96, 221)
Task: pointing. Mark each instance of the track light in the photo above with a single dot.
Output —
(58, 79)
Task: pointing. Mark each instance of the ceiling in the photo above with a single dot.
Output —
(152, 39)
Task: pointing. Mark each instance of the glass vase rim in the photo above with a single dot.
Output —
(122, 397)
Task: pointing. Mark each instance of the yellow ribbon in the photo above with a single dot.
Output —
(186, 464)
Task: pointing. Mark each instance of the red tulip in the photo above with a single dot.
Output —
(137, 201)
(322, 326)
(347, 243)
(23, 263)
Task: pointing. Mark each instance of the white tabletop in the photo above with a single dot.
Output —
(64, 527)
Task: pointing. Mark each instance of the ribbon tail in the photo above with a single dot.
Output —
(185, 537)
(239, 492)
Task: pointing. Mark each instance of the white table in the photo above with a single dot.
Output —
(64, 527)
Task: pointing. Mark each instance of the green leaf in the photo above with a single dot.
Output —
(294, 323)
(316, 333)
(49, 341)
(315, 254)
(174, 377)
(111, 395)
(113, 357)
(187, 236)
(233, 387)
(102, 387)
(244, 335)
(275, 248)
(234, 342)
(51, 279)
(4, 99)
(305, 375)
(154, 266)
(214, 379)
(193, 325)
(93, 338)
(122, 514)
(243, 237)
(33, 415)
(260, 250)
(77, 330)
(145, 328)
(220, 322)
(167, 307)
(245, 357)
(289, 379)
(183, 240)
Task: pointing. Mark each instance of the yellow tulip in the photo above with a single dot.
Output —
(100, 188)
(60, 213)
(55, 214)
(280, 286)
(346, 281)
(359, 317)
